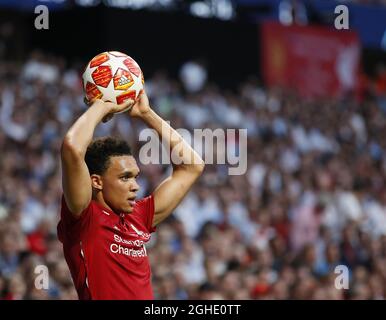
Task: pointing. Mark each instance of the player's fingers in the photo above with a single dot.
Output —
(128, 103)
(141, 94)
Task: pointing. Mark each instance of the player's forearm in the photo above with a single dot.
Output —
(178, 146)
(80, 134)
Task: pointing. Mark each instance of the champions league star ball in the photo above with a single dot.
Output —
(112, 76)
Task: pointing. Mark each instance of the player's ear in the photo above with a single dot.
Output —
(96, 182)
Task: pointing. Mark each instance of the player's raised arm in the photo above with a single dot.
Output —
(173, 189)
(76, 180)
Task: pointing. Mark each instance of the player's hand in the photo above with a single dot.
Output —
(141, 106)
(114, 108)
(111, 108)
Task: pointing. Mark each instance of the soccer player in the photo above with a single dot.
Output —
(102, 227)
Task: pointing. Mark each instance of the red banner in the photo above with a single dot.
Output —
(315, 61)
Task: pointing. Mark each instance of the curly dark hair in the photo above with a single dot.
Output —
(101, 149)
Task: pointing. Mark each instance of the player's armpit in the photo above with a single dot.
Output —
(76, 180)
(171, 191)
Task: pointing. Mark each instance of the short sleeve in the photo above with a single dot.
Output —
(151, 214)
(71, 227)
(146, 208)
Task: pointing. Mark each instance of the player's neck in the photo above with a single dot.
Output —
(99, 198)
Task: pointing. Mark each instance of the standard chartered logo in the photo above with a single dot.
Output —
(137, 243)
(117, 248)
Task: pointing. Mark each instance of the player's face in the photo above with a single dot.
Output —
(119, 183)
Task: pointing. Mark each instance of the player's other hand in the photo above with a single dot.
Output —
(141, 106)
(111, 108)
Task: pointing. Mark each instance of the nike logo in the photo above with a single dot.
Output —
(105, 212)
(140, 233)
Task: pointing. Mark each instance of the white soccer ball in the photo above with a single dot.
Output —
(112, 76)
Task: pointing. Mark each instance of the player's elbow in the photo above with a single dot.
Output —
(198, 168)
(201, 167)
(69, 147)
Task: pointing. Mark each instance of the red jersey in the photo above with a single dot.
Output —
(106, 252)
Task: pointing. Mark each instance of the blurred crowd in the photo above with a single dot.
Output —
(313, 196)
(371, 2)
